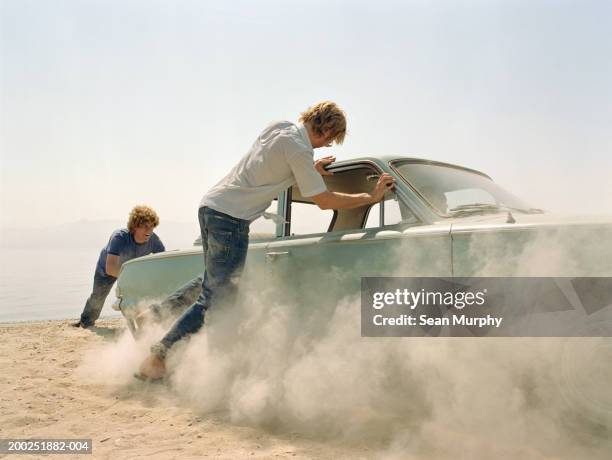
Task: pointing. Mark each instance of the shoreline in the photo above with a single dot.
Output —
(74, 318)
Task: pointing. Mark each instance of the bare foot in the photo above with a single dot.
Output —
(153, 368)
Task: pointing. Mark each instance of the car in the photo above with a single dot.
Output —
(441, 220)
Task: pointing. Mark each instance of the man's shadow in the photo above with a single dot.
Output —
(108, 333)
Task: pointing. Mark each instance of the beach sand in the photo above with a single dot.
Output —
(42, 395)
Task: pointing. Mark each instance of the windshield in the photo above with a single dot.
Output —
(451, 190)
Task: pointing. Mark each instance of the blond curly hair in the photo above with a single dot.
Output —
(326, 116)
(142, 215)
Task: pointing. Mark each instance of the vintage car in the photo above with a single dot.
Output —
(441, 220)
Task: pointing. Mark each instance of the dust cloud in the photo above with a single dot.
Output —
(290, 367)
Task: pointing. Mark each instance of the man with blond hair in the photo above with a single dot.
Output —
(280, 157)
(124, 244)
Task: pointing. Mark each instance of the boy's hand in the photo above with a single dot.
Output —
(384, 184)
(322, 162)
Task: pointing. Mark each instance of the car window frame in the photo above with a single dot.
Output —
(437, 212)
(284, 208)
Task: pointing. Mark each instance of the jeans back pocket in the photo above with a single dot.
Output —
(219, 244)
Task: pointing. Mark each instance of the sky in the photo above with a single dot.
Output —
(108, 104)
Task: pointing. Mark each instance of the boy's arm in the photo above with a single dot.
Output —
(113, 265)
(336, 200)
(115, 247)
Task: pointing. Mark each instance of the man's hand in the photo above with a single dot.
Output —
(384, 184)
(322, 162)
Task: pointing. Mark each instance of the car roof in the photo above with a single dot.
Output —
(385, 159)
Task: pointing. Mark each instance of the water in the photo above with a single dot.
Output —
(40, 284)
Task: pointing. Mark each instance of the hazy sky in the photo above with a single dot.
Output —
(106, 104)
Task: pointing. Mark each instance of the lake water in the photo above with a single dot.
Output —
(38, 284)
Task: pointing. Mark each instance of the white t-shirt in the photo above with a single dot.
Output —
(280, 157)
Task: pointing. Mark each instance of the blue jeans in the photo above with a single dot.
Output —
(101, 287)
(225, 240)
(177, 302)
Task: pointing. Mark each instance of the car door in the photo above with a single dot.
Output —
(317, 268)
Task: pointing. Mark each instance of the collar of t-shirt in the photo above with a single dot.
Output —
(304, 133)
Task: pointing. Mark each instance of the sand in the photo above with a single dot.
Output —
(61, 382)
(43, 395)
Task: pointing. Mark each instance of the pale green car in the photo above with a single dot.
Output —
(441, 220)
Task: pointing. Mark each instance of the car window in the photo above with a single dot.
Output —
(373, 217)
(447, 187)
(309, 218)
(393, 214)
(458, 197)
(262, 228)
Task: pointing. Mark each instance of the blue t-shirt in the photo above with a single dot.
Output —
(122, 244)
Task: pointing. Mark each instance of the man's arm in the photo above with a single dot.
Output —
(113, 265)
(337, 200)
